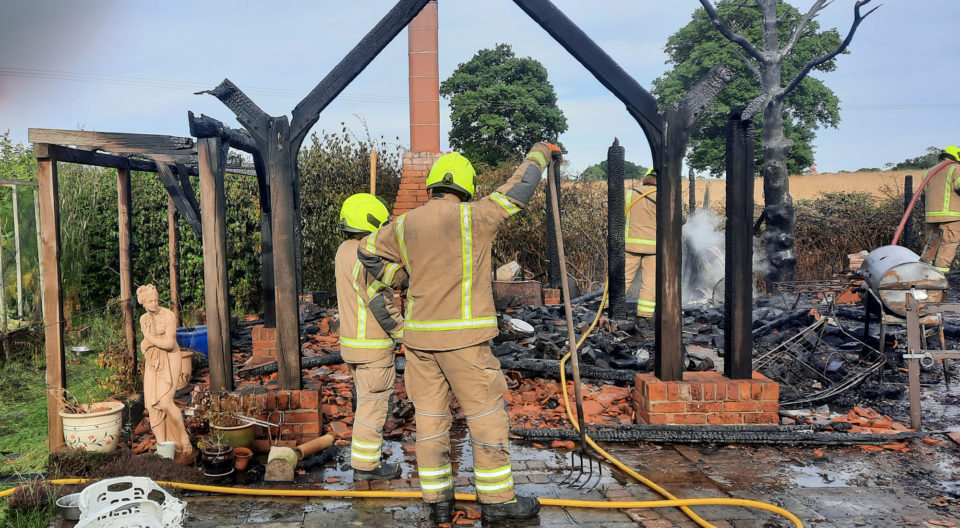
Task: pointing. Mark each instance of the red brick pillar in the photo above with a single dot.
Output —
(424, 110)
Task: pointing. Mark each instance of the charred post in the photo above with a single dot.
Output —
(907, 198)
(738, 275)
(615, 232)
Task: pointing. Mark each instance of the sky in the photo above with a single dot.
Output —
(133, 66)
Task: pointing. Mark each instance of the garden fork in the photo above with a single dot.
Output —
(583, 452)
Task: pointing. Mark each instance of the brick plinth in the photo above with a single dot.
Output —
(706, 398)
(551, 296)
(264, 341)
(413, 181)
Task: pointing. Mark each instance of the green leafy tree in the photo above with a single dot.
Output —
(598, 171)
(500, 105)
(921, 162)
(698, 46)
(774, 47)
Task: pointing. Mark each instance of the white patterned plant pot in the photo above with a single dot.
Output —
(97, 431)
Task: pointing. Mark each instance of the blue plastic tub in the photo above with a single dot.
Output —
(193, 337)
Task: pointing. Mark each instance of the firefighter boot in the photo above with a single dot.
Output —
(516, 509)
(385, 471)
(442, 511)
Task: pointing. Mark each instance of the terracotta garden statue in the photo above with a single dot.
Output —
(161, 371)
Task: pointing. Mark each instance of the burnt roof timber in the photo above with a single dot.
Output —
(117, 142)
(97, 159)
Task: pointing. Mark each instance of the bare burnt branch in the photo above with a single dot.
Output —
(729, 33)
(857, 19)
(817, 6)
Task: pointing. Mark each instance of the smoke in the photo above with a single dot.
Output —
(703, 257)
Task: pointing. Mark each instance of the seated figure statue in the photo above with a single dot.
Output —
(161, 370)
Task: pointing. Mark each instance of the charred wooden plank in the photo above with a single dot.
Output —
(738, 273)
(97, 159)
(184, 206)
(118, 142)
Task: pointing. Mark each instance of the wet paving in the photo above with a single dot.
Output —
(828, 487)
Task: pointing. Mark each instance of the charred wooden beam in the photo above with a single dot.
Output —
(266, 245)
(186, 207)
(208, 127)
(738, 273)
(97, 159)
(307, 112)
(118, 142)
(639, 102)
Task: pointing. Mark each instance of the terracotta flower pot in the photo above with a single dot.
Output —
(97, 430)
(242, 457)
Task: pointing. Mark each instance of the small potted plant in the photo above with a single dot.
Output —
(227, 412)
(218, 457)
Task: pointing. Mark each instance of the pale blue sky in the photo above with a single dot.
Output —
(131, 66)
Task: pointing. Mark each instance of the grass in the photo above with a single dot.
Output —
(23, 414)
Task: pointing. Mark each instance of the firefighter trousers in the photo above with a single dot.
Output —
(942, 238)
(641, 280)
(474, 376)
(374, 381)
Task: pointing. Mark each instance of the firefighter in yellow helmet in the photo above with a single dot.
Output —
(641, 246)
(942, 221)
(445, 246)
(367, 341)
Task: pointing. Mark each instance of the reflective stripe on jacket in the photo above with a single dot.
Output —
(361, 336)
(445, 246)
(641, 222)
(943, 205)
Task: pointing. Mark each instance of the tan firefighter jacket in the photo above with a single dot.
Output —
(445, 246)
(362, 338)
(641, 222)
(943, 203)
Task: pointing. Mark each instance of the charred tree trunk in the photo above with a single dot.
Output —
(778, 204)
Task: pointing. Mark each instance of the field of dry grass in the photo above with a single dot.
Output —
(808, 186)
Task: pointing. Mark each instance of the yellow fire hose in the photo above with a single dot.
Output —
(670, 502)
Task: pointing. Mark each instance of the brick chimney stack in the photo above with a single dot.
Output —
(423, 48)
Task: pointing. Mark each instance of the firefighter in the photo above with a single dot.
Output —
(366, 341)
(445, 246)
(641, 246)
(942, 221)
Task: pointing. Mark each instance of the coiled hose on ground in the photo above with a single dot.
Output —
(670, 502)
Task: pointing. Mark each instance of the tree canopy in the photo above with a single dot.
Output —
(598, 171)
(500, 105)
(924, 161)
(696, 47)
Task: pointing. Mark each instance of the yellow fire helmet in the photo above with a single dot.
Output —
(453, 172)
(951, 152)
(362, 213)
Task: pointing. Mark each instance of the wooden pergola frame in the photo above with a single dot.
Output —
(174, 159)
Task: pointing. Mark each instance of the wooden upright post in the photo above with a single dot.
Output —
(16, 249)
(125, 223)
(212, 158)
(668, 316)
(280, 168)
(373, 172)
(52, 291)
(173, 242)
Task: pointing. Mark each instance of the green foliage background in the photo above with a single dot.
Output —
(698, 46)
(332, 167)
(598, 171)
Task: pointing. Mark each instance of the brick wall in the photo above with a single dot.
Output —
(413, 182)
(706, 398)
(297, 412)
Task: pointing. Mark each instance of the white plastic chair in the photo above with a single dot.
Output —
(130, 500)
